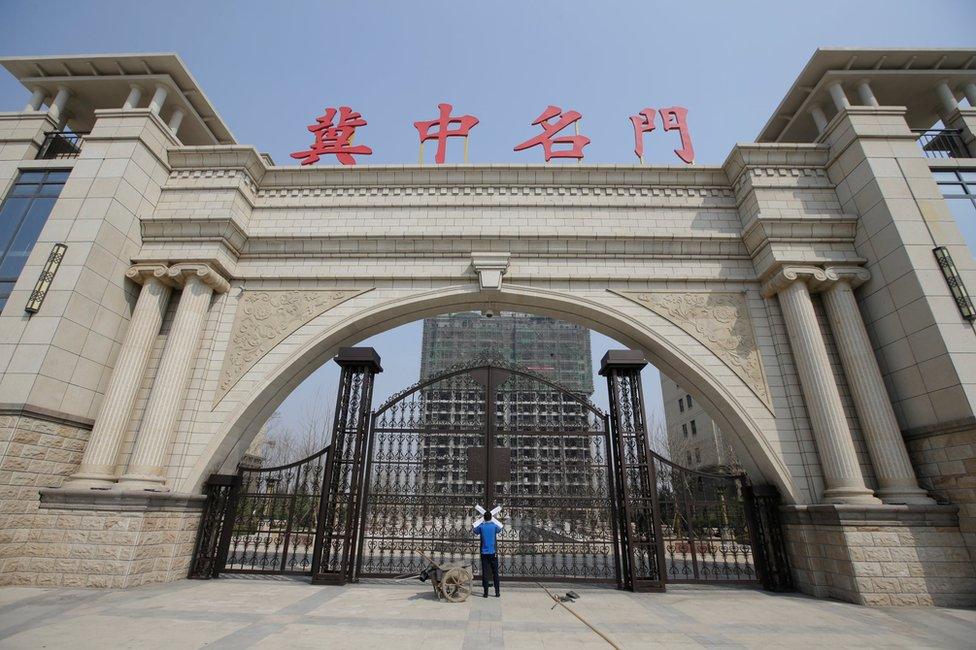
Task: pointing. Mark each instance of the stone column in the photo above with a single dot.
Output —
(175, 120)
(36, 100)
(97, 468)
(132, 100)
(946, 97)
(843, 481)
(817, 113)
(158, 99)
(839, 96)
(56, 110)
(866, 94)
(970, 90)
(896, 477)
(146, 466)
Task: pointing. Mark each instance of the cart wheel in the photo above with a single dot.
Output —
(455, 588)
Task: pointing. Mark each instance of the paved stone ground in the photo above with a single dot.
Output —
(268, 613)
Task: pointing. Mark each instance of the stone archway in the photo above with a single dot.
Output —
(735, 407)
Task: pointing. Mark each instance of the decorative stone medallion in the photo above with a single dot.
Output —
(264, 318)
(720, 321)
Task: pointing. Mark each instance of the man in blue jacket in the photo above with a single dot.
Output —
(488, 528)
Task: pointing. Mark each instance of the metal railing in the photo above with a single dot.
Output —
(942, 143)
(61, 144)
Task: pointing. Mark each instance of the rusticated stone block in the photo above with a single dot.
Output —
(904, 555)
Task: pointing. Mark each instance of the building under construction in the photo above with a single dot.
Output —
(557, 350)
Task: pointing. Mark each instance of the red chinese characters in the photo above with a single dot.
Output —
(672, 118)
(335, 139)
(444, 131)
(643, 123)
(546, 139)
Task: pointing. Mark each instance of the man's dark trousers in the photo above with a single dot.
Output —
(489, 562)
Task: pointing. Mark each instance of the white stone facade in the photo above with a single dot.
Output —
(715, 272)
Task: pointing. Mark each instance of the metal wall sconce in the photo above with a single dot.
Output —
(46, 278)
(954, 280)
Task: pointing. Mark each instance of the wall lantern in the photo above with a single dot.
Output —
(954, 280)
(46, 278)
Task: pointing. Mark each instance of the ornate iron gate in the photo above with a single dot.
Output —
(704, 526)
(583, 496)
(489, 435)
(276, 518)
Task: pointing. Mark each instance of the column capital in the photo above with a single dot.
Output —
(141, 273)
(813, 276)
(181, 273)
(854, 276)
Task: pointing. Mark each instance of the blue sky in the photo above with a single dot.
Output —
(271, 68)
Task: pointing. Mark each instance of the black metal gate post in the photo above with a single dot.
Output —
(642, 553)
(340, 511)
(769, 547)
(216, 526)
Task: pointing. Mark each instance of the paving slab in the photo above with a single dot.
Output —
(234, 612)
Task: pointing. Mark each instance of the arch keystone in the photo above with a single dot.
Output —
(490, 268)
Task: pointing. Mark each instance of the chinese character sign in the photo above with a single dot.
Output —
(643, 123)
(334, 139)
(672, 118)
(546, 139)
(444, 131)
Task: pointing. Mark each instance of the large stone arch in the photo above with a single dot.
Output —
(734, 405)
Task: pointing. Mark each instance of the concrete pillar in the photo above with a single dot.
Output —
(132, 101)
(158, 99)
(837, 94)
(56, 110)
(816, 112)
(155, 437)
(175, 120)
(36, 100)
(97, 468)
(896, 476)
(949, 103)
(970, 91)
(866, 94)
(843, 481)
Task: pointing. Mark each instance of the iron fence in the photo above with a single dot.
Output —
(58, 145)
(942, 143)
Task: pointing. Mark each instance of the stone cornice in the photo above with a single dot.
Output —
(321, 177)
(118, 500)
(870, 515)
(48, 415)
(718, 246)
(224, 231)
(940, 429)
(214, 157)
(773, 155)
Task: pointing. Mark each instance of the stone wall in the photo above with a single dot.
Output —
(945, 461)
(36, 451)
(880, 555)
(86, 538)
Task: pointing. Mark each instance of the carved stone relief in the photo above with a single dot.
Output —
(720, 321)
(264, 318)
